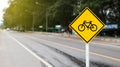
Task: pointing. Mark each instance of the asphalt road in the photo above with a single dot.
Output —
(28, 49)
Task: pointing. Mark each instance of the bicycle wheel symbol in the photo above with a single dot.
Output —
(87, 25)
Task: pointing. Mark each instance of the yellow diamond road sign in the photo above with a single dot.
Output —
(87, 25)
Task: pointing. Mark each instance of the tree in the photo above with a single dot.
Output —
(24, 13)
(61, 13)
(107, 10)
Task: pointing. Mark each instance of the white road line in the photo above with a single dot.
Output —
(34, 54)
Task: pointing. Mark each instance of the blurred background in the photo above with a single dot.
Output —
(56, 15)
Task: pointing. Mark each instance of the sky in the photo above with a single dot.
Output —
(3, 5)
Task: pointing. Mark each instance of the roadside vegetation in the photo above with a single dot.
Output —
(37, 14)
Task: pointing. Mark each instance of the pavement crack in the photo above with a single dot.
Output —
(74, 59)
(78, 61)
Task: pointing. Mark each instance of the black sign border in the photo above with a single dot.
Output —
(79, 16)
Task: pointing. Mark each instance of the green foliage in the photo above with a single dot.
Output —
(107, 10)
(61, 12)
(25, 13)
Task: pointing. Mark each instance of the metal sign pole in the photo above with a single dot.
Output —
(87, 55)
(80, 27)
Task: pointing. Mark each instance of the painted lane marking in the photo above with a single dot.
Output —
(80, 50)
(34, 54)
(91, 42)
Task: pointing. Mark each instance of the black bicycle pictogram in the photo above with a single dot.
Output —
(87, 25)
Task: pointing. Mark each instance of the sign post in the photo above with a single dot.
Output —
(87, 25)
(87, 55)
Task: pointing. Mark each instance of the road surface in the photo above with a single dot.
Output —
(28, 49)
